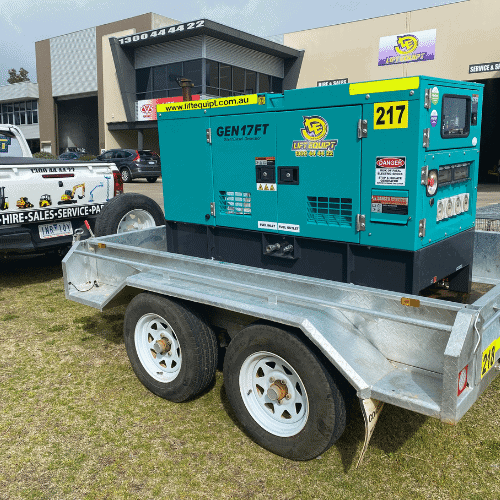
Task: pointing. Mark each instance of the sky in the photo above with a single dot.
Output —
(23, 22)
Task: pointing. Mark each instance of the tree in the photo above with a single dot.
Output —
(14, 77)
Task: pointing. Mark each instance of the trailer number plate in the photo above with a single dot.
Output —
(55, 230)
(489, 355)
(390, 115)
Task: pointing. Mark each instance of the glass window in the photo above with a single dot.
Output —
(455, 116)
(225, 77)
(264, 83)
(160, 78)
(29, 117)
(35, 117)
(22, 106)
(277, 85)
(34, 104)
(107, 155)
(174, 71)
(192, 70)
(143, 80)
(28, 104)
(212, 69)
(175, 92)
(239, 80)
(250, 82)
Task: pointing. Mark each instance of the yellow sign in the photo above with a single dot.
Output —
(222, 102)
(388, 115)
(411, 83)
(489, 356)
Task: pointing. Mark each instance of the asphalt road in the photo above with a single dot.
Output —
(487, 193)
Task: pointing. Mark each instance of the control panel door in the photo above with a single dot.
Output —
(319, 173)
(186, 170)
(244, 157)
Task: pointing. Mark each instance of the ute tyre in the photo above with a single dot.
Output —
(317, 415)
(126, 175)
(128, 212)
(151, 179)
(191, 367)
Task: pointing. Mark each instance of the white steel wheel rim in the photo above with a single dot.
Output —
(148, 331)
(134, 220)
(258, 373)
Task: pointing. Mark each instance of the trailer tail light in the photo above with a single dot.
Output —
(462, 380)
(117, 183)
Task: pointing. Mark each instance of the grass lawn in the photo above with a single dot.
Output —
(75, 423)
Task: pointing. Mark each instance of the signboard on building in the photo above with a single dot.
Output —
(407, 48)
(146, 109)
(339, 81)
(484, 67)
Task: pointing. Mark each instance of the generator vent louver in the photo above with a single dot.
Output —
(235, 203)
(335, 212)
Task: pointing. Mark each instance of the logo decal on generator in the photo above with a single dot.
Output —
(315, 144)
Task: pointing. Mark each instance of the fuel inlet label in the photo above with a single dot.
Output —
(396, 205)
(390, 171)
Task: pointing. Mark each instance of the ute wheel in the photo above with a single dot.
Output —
(171, 349)
(152, 179)
(281, 393)
(126, 176)
(128, 212)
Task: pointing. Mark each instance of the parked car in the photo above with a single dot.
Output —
(134, 164)
(71, 155)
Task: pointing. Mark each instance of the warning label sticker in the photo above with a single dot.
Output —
(267, 225)
(261, 186)
(397, 205)
(292, 228)
(266, 161)
(390, 171)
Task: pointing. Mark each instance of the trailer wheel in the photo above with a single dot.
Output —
(171, 349)
(282, 394)
(128, 212)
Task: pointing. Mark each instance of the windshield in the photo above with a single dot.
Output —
(9, 145)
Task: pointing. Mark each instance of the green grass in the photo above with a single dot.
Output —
(75, 423)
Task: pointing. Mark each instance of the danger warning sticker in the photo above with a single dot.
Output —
(397, 205)
(390, 171)
(263, 186)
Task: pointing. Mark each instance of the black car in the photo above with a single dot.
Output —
(134, 164)
(71, 155)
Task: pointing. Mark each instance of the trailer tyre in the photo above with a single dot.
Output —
(171, 349)
(281, 393)
(128, 212)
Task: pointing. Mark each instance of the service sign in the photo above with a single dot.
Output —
(338, 81)
(146, 109)
(407, 48)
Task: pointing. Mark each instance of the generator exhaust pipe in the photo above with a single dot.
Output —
(186, 85)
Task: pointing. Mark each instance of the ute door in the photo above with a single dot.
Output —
(319, 173)
(243, 155)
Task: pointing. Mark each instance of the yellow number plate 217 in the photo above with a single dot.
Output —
(390, 115)
(489, 356)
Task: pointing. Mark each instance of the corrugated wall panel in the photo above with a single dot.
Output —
(73, 62)
(225, 52)
(168, 52)
(16, 91)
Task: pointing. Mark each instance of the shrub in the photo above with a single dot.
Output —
(45, 156)
(87, 158)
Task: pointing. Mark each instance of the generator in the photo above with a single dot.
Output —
(371, 183)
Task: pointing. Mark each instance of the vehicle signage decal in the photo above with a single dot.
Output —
(434, 118)
(435, 95)
(291, 228)
(221, 102)
(489, 355)
(267, 225)
(389, 115)
(315, 141)
(390, 171)
(243, 132)
(394, 85)
(146, 109)
(395, 205)
(407, 48)
(49, 214)
(4, 144)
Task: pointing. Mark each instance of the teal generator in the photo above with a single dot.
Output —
(371, 183)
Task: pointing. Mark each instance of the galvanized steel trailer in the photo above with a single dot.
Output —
(430, 356)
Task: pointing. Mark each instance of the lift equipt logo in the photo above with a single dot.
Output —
(406, 44)
(314, 132)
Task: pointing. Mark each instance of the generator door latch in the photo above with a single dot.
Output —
(421, 228)
(362, 129)
(212, 209)
(209, 135)
(288, 175)
(427, 99)
(427, 133)
(360, 222)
